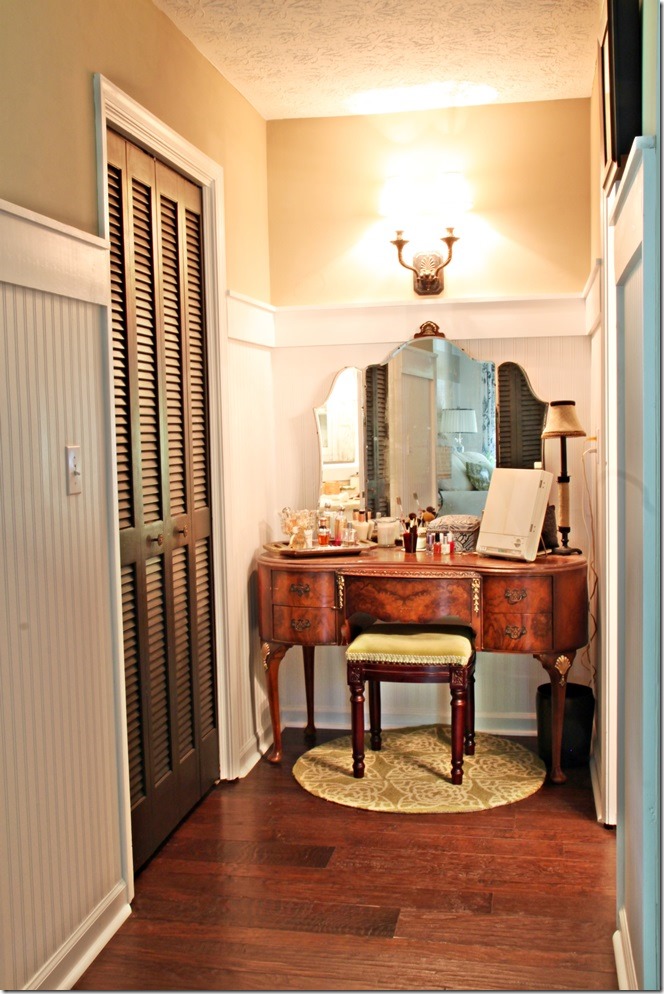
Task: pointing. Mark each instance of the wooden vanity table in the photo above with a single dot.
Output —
(538, 608)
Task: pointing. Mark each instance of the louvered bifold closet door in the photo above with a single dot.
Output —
(160, 379)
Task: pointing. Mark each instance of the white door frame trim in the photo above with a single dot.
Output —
(115, 108)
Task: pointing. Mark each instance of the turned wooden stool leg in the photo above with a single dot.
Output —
(374, 715)
(357, 723)
(459, 694)
(469, 739)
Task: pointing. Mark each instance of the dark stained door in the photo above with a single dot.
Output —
(164, 513)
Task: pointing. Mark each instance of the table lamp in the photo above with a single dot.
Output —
(458, 421)
(562, 422)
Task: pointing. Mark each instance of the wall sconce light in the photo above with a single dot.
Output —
(562, 422)
(458, 421)
(427, 268)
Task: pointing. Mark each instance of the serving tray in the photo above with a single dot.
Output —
(283, 549)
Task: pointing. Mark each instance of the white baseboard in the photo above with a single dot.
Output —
(622, 950)
(493, 723)
(73, 958)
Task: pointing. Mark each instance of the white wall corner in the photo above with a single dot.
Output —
(592, 295)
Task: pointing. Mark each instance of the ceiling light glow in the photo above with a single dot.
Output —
(425, 96)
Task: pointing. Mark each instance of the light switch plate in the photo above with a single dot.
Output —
(73, 457)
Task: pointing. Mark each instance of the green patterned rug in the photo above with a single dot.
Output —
(411, 774)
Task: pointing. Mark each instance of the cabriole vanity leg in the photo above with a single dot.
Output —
(273, 653)
(557, 665)
(308, 657)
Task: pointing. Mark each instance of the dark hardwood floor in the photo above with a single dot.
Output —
(265, 887)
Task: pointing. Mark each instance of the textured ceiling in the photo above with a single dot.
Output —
(320, 58)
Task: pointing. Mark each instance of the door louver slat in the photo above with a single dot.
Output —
(173, 354)
(183, 653)
(120, 352)
(132, 685)
(205, 638)
(146, 349)
(160, 731)
(197, 368)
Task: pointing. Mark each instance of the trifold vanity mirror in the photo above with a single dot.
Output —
(426, 426)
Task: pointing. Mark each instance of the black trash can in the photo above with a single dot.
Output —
(577, 726)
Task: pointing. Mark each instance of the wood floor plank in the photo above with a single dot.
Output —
(334, 962)
(265, 887)
(254, 882)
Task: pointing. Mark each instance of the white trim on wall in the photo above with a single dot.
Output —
(42, 254)
(255, 322)
(510, 317)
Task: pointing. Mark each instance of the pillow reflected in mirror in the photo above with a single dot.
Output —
(479, 475)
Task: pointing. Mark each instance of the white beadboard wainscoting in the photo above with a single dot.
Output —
(62, 890)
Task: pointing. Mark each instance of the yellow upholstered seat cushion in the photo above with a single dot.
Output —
(411, 645)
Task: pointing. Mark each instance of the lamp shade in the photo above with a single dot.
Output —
(561, 421)
(458, 419)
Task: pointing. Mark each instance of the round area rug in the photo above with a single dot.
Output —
(412, 773)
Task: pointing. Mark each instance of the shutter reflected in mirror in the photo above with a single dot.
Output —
(521, 416)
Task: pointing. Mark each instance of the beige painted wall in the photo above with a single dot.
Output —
(49, 51)
(528, 166)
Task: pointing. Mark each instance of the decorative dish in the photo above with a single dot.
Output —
(283, 549)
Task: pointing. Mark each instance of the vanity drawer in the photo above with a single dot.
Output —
(297, 588)
(311, 626)
(525, 595)
(517, 632)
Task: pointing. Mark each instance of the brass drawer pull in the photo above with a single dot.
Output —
(158, 539)
(514, 632)
(514, 596)
(300, 589)
(300, 624)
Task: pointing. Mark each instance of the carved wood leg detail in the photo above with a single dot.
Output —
(356, 683)
(557, 665)
(308, 657)
(469, 739)
(458, 689)
(374, 715)
(273, 653)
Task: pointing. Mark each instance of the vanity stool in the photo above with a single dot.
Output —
(443, 653)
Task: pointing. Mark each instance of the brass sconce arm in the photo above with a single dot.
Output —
(427, 268)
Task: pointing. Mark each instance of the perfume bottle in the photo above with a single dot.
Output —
(323, 531)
